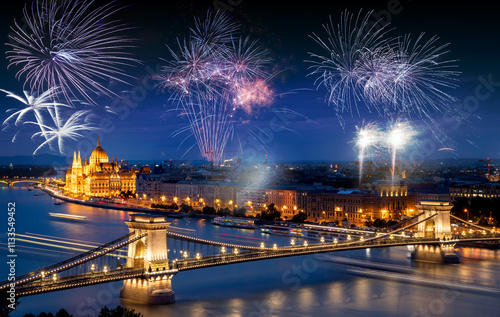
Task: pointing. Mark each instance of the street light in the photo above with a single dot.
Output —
(92, 267)
(105, 269)
(262, 245)
(198, 256)
(275, 247)
(54, 277)
(292, 242)
(236, 251)
(322, 239)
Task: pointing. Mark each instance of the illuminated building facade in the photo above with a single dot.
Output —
(98, 177)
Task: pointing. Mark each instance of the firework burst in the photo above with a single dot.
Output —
(32, 104)
(70, 45)
(337, 70)
(213, 74)
(392, 76)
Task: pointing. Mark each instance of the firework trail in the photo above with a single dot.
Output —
(398, 136)
(368, 135)
(215, 73)
(69, 44)
(61, 129)
(391, 76)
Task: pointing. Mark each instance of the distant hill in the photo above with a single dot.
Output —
(42, 159)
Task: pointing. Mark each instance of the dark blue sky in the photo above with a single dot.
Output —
(309, 129)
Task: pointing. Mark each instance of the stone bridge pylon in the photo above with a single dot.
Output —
(149, 253)
(437, 227)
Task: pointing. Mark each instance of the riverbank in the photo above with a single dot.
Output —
(117, 206)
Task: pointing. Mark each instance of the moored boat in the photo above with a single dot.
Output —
(233, 222)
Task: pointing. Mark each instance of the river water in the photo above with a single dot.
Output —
(296, 286)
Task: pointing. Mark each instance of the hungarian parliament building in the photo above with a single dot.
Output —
(98, 177)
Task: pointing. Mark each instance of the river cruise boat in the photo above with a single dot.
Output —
(67, 217)
(233, 222)
(317, 232)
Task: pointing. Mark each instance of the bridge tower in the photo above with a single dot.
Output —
(149, 253)
(437, 227)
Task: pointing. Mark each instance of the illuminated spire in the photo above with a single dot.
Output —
(98, 141)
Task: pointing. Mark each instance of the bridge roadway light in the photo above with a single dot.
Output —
(335, 240)
(105, 269)
(223, 250)
(198, 256)
(236, 251)
(349, 237)
(275, 247)
(92, 267)
(305, 243)
(262, 245)
(322, 239)
(292, 242)
(54, 277)
(185, 254)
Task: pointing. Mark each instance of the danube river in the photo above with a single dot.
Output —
(296, 286)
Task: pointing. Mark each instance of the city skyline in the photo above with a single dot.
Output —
(308, 129)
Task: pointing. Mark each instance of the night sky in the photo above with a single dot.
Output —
(145, 130)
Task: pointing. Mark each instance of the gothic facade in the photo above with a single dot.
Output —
(97, 177)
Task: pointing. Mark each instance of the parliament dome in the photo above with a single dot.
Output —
(98, 154)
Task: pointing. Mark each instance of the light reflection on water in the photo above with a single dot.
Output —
(296, 286)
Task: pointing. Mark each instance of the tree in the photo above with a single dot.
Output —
(271, 214)
(61, 313)
(391, 223)
(379, 223)
(223, 212)
(5, 301)
(459, 206)
(127, 194)
(118, 311)
(239, 212)
(185, 208)
(208, 210)
(301, 217)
